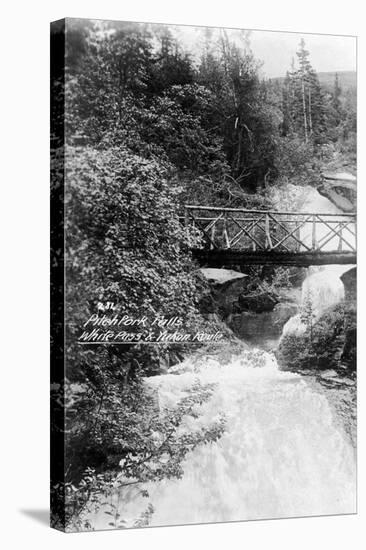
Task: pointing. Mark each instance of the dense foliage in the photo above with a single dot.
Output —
(212, 117)
(117, 438)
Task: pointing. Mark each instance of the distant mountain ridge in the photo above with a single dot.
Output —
(347, 80)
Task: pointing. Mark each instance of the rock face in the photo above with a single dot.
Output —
(263, 329)
(234, 296)
(257, 303)
(222, 296)
(340, 189)
(225, 287)
(221, 276)
(349, 280)
(257, 317)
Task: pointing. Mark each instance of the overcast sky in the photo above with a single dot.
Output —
(327, 52)
(276, 49)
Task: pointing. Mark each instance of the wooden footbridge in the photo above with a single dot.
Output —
(238, 237)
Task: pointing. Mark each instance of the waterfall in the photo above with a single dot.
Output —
(324, 288)
(280, 456)
(323, 285)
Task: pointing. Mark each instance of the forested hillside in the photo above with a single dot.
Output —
(148, 129)
(347, 80)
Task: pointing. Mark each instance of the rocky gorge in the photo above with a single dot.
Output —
(267, 308)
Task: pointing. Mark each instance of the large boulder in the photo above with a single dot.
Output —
(341, 189)
(263, 329)
(349, 280)
(225, 287)
(221, 276)
(252, 313)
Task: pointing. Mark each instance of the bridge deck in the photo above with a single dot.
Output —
(232, 258)
(224, 236)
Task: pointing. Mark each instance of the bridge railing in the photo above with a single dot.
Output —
(241, 229)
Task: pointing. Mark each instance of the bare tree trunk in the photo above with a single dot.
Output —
(310, 117)
(122, 72)
(224, 48)
(304, 109)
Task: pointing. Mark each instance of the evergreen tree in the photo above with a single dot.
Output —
(304, 101)
(336, 103)
(337, 93)
(307, 313)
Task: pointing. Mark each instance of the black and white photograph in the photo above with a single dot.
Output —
(182, 275)
(203, 271)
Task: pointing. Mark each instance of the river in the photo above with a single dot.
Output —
(283, 453)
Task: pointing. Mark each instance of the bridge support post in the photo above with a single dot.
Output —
(213, 231)
(268, 235)
(313, 234)
(186, 225)
(226, 236)
(340, 239)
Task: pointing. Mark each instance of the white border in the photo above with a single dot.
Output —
(24, 222)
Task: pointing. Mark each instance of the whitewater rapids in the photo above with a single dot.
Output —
(281, 455)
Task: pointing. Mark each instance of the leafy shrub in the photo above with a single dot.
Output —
(297, 162)
(329, 344)
(125, 243)
(120, 438)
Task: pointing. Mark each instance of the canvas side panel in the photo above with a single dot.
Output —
(57, 389)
